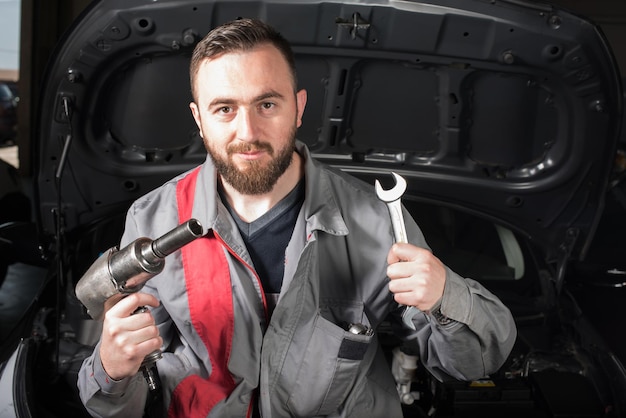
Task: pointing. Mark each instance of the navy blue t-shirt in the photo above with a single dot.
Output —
(266, 238)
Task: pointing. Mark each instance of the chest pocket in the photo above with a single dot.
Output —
(328, 369)
(313, 361)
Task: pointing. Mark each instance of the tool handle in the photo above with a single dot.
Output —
(148, 366)
(399, 232)
(397, 221)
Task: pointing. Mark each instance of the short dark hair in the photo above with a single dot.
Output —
(239, 35)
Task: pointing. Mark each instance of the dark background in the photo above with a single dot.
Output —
(602, 295)
(599, 284)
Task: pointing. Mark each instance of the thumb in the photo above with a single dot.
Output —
(406, 252)
(124, 306)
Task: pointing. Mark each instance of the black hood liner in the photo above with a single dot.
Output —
(510, 109)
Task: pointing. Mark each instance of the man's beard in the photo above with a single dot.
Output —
(255, 178)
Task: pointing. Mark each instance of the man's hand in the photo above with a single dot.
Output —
(417, 276)
(128, 338)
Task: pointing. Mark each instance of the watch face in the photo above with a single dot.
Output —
(441, 318)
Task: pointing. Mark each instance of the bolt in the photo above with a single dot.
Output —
(555, 21)
(508, 57)
(73, 76)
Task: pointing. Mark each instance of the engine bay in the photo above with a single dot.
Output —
(557, 367)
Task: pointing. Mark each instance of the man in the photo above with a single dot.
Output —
(254, 316)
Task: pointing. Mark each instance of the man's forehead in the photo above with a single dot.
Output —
(232, 75)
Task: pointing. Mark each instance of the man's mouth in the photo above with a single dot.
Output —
(251, 155)
(251, 151)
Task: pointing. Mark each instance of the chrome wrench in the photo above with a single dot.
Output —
(392, 198)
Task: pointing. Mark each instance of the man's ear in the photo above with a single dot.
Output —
(301, 104)
(195, 112)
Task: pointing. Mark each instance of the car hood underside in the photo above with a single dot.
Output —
(507, 108)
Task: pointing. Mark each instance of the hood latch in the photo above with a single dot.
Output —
(355, 24)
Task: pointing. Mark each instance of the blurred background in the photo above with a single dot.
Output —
(9, 75)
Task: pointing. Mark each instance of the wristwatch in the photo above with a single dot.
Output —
(439, 317)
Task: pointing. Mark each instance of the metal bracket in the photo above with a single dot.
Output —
(355, 24)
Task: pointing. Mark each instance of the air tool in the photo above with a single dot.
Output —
(118, 273)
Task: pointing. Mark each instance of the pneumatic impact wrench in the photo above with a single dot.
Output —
(118, 273)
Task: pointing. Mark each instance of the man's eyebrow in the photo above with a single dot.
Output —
(269, 95)
(224, 101)
(221, 101)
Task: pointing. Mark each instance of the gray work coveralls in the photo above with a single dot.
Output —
(304, 362)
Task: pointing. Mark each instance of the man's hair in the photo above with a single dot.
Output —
(235, 36)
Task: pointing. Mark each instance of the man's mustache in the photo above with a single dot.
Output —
(250, 147)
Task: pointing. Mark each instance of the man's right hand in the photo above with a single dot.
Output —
(128, 338)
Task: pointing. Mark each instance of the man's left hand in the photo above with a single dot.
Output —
(417, 276)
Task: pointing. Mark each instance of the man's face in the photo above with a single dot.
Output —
(248, 114)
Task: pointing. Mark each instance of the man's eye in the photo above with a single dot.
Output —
(267, 105)
(224, 109)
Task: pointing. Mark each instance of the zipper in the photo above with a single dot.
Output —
(254, 396)
(254, 273)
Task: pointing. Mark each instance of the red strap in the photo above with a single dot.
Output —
(209, 293)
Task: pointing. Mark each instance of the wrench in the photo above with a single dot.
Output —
(392, 198)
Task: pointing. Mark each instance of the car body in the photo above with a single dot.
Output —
(502, 116)
(8, 112)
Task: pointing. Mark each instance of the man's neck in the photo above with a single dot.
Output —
(251, 207)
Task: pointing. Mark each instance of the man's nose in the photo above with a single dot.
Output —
(246, 125)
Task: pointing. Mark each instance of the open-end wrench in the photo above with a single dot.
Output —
(392, 198)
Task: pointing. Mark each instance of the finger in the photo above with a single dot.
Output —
(410, 269)
(409, 299)
(405, 293)
(130, 336)
(128, 305)
(400, 270)
(148, 346)
(406, 252)
(401, 285)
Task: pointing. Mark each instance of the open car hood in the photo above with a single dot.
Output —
(508, 108)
